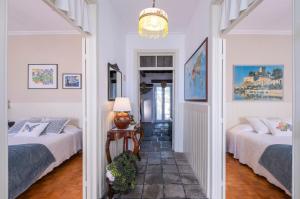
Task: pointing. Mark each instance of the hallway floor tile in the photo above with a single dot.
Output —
(163, 174)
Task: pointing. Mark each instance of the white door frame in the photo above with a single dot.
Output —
(296, 99)
(175, 103)
(3, 101)
(218, 170)
(91, 111)
(90, 104)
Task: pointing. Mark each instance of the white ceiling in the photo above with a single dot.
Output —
(179, 12)
(271, 16)
(35, 16)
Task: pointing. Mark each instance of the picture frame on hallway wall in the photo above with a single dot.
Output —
(196, 75)
(71, 81)
(42, 76)
(258, 82)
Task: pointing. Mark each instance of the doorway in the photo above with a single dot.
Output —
(50, 68)
(156, 108)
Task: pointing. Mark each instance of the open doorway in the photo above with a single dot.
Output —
(258, 103)
(156, 108)
(45, 96)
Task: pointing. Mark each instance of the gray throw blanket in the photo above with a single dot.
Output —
(26, 164)
(277, 159)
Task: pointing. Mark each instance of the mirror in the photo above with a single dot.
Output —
(114, 82)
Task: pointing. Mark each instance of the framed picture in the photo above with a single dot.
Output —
(71, 81)
(42, 76)
(196, 75)
(258, 82)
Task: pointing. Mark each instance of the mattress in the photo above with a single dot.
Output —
(248, 147)
(62, 146)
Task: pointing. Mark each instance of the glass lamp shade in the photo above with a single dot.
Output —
(153, 23)
(122, 104)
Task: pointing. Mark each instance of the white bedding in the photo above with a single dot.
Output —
(62, 146)
(248, 147)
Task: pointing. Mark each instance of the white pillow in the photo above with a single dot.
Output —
(71, 129)
(258, 125)
(242, 128)
(279, 127)
(32, 129)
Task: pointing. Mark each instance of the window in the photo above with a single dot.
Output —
(163, 97)
(164, 61)
(147, 61)
(156, 61)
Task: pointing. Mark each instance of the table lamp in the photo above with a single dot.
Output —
(122, 108)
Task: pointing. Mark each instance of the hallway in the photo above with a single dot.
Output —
(163, 174)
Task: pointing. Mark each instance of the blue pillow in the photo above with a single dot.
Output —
(55, 125)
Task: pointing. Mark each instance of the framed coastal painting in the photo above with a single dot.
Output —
(195, 75)
(71, 81)
(42, 76)
(258, 82)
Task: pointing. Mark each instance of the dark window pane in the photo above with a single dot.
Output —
(164, 61)
(147, 61)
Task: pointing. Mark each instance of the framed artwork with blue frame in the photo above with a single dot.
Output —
(258, 82)
(71, 81)
(196, 75)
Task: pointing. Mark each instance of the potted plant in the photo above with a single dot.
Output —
(122, 172)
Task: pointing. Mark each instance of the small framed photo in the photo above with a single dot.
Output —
(42, 76)
(72, 81)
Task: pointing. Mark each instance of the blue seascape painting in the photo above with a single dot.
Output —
(195, 76)
(259, 82)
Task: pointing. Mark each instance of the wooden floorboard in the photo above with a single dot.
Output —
(242, 183)
(64, 182)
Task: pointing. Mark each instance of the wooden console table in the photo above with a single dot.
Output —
(130, 133)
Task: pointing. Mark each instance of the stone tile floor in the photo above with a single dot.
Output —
(163, 174)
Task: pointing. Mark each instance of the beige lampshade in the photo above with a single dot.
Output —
(122, 104)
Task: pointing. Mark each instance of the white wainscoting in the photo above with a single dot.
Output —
(73, 111)
(196, 140)
(115, 147)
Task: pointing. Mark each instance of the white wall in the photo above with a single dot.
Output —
(196, 128)
(258, 50)
(64, 50)
(173, 43)
(111, 48)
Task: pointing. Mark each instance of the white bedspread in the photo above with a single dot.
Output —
(248, 147)
(62, 146)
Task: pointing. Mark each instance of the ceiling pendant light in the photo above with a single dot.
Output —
(153, 23)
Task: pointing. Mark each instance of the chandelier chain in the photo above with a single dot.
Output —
(153, 4)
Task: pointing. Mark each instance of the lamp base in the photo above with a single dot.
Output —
(122, 120)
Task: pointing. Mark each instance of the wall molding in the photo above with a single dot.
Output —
(260, 32)
(73, 111)
(55, 32)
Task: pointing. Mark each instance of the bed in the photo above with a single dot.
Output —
(61, 146)
(249, 146)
